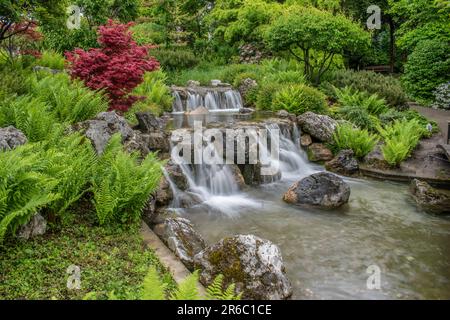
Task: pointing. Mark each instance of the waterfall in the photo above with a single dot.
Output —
(177, 103)
(214, 99)
(293, 160)
(216, 184)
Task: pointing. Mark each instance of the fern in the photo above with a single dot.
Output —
(187, 290)
(215, 290)
(153, 287)
(122, 185)
(360, 141)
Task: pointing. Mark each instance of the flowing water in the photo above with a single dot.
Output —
(327, 253)
(214, 100)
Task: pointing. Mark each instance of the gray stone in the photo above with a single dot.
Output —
(430, 199)
(193, 83)
(344, 163)
(149, 123)
(283, 114)
(253, 264)
(318, 126)
(199, 111)
(37, 226)
(100, 130)
(11, 138)
(322, 190)
(179, 235)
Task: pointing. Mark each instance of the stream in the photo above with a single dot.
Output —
(327, 253)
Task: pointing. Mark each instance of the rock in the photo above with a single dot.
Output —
(322, 190)
(37, 226)
(11, 138)
(283, 114)
(193, 83)
(246, 110)
(375, 158)
(344, 163)
(253, 264)
(157, 141)
(305, 140)
(149, 123)
(318, 126)
(149, 212)
(318, 152)
(237, 175)
(46, 69)
(199, 111)
(215, 83)
(177, 176)
(188, 200)
(100, 130)
(164, 194)
(430, 199)
(179, 235)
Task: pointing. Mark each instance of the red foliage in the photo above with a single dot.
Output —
(117, 67)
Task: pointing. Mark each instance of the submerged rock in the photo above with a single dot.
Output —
(179, 235)
(318, 152)
(199, 111)
(11, 138)
(344, 163)
(319, 126)
(253, 264)
(430, 199)
(37, 226)
(322, 190)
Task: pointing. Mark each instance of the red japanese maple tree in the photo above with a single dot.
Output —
(118, 66)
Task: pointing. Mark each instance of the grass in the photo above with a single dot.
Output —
(111, 260)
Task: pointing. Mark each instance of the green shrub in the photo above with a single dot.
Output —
(266, 95)
(360, 141)
(68, 101)
(392, 115)
(37, 175)
(359, 116)
(347, 97)
(442, 96)
(148, 33)
(400, 139)
(428, 66)
(175, 59)
(122, 185)
(299, 99)
(52, 60)
(29, 115)
(386, 87)
(286, 77)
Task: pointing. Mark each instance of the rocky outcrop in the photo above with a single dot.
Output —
(430, 199)
(100, 130)
(323, 190)
(37, 226)
(318, 126)
(253, 264)
(318, 152)
(147, 122)
(344, 163)
(179, 235)
(11, 138)
(237, 175)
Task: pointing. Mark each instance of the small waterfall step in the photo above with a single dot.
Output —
(220, 98)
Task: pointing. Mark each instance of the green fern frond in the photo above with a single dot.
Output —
(153, 287)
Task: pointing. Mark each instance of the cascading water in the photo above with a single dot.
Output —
(216, 184)
(213, 99)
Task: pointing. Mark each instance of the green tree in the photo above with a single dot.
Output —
(315, 37)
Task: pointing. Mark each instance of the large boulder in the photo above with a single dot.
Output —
(430, 199)
(253, 264)
(100, 130)
(344, 163)
(305, 140)
(11, 138)
(318, 126)
(149, 123)
(318, 152)
(179, 235)
(37, 226)
(323, 190)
